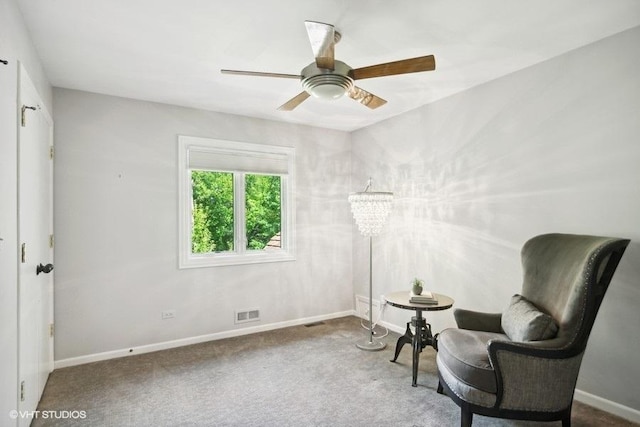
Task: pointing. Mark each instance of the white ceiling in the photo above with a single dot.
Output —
(171, 51)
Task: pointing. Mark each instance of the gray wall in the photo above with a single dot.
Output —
(552, 148)
(116, 227)
(15, 45)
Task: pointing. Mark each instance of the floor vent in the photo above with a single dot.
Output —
(308, 325)
(247, 316)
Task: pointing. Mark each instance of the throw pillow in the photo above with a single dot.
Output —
(522, 321)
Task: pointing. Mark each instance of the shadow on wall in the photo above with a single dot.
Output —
(460, 216)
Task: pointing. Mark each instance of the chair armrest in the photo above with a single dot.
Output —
(530, 376)
(476, 321)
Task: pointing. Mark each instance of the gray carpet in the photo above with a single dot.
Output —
(298, 376)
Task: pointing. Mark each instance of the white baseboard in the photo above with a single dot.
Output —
(392, 327)
(81, 360)
(608, 406)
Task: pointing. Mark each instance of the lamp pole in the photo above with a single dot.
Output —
(371, 345)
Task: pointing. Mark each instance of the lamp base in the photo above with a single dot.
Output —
(371, 345)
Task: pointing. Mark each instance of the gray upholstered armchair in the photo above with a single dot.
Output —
(524, 363)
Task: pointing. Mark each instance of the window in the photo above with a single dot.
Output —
(236, 202)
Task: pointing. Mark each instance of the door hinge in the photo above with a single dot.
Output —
(23, 256)
(22, 391)
(51, 241)
(51, 151)
(52, 329)
(23, 118)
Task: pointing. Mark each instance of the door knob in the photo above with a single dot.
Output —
(44, 268)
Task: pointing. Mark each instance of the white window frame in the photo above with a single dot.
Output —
(240, 254)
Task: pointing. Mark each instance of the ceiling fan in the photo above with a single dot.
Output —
(328, 78)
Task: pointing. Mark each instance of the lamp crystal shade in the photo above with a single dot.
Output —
(370, 210)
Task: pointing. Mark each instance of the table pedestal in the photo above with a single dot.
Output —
(418, 341)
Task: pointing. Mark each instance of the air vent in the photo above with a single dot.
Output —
(243, 316)
(312, 324)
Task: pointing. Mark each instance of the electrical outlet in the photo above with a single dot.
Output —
(169, 314)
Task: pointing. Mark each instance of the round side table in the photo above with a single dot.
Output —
(423, 336)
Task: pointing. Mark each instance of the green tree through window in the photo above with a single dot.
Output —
(213, 210)
(262, 204)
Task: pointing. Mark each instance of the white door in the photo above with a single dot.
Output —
(35, 284)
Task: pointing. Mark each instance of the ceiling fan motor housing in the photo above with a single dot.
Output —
(326, 83)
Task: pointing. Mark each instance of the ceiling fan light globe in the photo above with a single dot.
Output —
(327, 91)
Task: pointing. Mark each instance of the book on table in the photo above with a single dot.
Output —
(424, 298)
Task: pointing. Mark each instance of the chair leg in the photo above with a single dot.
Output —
(566, 422)
(466, 418)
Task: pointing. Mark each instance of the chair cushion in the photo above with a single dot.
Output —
(464, 352)
(522, 321)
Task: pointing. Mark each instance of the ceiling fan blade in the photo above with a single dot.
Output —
(261, 74)
(413, 65)
(322, 39)
(294, 102)
(365, 98)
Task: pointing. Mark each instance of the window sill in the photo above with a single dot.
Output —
(219, 260)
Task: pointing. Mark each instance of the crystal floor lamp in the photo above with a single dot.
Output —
(370, 210)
